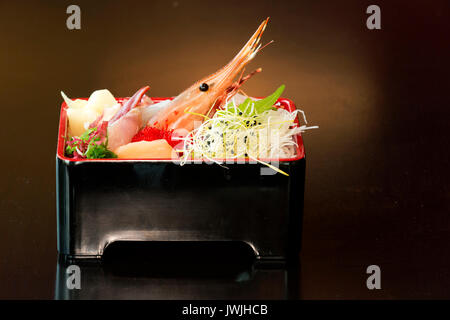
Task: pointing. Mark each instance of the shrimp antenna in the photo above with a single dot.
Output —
(271, 41)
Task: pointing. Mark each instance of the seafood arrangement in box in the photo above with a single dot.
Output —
(140, 168)
(213, 119)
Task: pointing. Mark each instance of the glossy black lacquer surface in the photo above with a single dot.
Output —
(179, 270)
(100, 203)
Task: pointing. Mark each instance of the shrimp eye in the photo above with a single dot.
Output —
(204, 87)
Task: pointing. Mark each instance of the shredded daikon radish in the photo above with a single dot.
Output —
(232, 134)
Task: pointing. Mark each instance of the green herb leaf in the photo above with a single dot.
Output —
(89, 145)
(99, 151)
(87, 134)
(259, 105)
(268, 102)
(70, 150)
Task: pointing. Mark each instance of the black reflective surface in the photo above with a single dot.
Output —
(183, 270)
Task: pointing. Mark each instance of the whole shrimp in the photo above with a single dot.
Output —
(210, 92)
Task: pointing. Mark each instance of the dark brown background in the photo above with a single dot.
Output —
(377, 188)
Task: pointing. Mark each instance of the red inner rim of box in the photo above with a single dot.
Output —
(284, 103)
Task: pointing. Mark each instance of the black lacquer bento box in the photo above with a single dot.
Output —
(100, 202)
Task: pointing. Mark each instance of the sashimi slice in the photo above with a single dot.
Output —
(123, 130)
(156, 149)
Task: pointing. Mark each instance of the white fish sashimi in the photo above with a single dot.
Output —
(149, 112)
(123, 130)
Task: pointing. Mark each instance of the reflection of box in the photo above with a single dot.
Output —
(103, 201)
